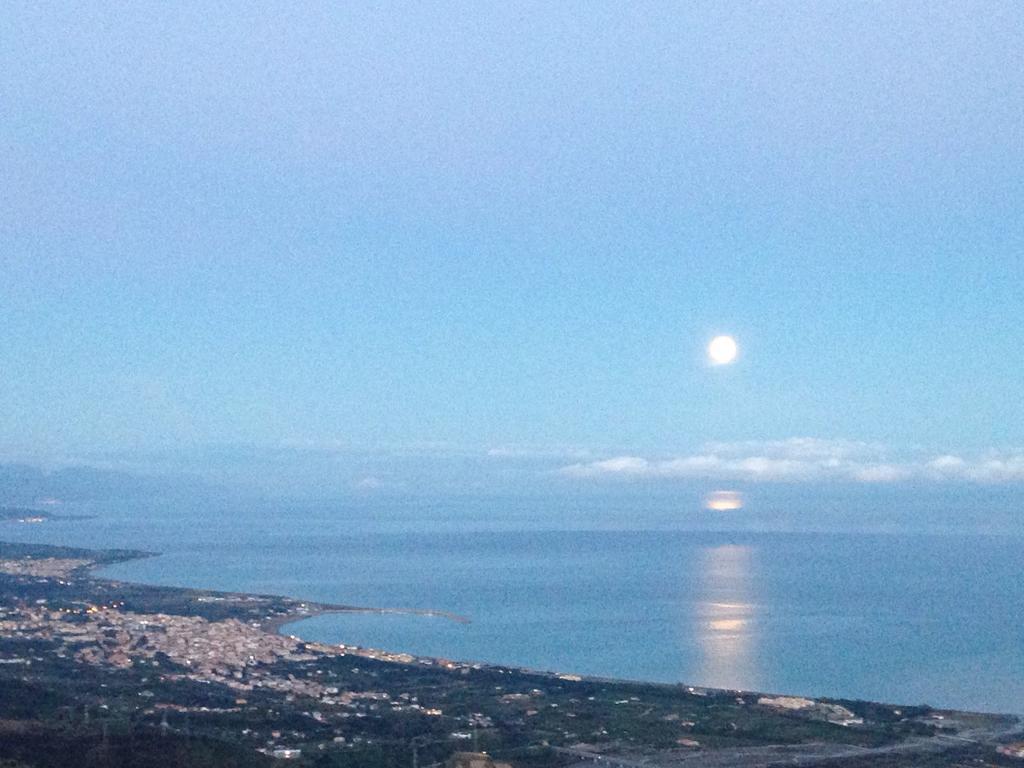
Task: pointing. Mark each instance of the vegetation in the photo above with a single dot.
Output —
(56, 710)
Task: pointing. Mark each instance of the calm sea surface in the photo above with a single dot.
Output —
(894, 617)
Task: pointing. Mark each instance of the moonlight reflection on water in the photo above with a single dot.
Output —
(726, 616)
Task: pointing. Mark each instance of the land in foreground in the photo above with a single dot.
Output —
(111, 673)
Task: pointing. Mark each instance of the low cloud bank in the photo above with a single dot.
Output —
(808, 460)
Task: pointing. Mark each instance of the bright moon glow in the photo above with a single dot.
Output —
(722, 350)
(723, 501)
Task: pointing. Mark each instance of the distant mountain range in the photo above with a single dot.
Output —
(34, 515)
(22, 485)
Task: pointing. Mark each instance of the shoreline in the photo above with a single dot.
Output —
(310, 609)
(321, 609)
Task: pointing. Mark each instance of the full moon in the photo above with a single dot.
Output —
(722, 350)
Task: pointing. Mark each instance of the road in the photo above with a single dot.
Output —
(791, 755)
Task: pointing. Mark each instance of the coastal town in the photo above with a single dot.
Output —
(192, 667)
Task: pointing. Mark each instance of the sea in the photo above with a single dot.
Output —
(894, 616)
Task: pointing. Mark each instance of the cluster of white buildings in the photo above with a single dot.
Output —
(1012, 750)
(833, 713)
(242, 656)
(43, 567)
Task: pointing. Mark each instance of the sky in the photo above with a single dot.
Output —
(500, 236)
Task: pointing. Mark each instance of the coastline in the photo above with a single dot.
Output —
(308, 610)
(193, 669)
(305, 609)
(225, 654)
(297, 610)
(321, 609)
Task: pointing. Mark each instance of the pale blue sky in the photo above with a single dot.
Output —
(478, 226)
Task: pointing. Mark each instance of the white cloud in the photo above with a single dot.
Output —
(990, 468)
(999, 470)
(806, 460)
(947, 464)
